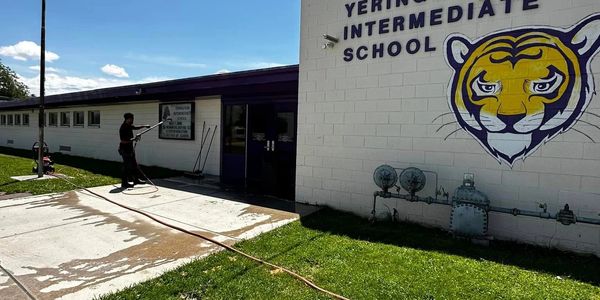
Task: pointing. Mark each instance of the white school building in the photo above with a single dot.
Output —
(499, 90)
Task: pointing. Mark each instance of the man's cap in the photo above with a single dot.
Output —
(128, 116)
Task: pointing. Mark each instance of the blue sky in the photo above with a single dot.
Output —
(97, 43)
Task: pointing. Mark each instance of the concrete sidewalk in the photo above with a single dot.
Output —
(75, 246)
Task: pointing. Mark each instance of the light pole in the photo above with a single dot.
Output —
(42, 85)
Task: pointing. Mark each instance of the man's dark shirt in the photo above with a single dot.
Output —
(126, 134)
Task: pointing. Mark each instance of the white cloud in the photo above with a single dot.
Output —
(116, 71)
(26, 50)
(57, 84)
(48, 69)
(223, 71)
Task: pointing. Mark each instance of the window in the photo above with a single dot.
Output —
(78, 118)
(3, 120)
(17, 120)
(65, 119)
(25, 119)
(286, 131)
(235, 129)
(53, 119)
(9, 120)
(93, 118)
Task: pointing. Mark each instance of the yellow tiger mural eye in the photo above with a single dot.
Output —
(516, 89)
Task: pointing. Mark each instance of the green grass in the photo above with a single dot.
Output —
(349, 256)
(86, 172)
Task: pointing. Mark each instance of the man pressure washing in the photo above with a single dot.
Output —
(126, 149)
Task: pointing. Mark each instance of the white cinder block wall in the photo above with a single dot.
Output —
(355, 116)
(102, 142)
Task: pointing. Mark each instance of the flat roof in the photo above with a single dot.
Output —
(261, 82)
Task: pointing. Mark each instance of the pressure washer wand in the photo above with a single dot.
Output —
(150, 129)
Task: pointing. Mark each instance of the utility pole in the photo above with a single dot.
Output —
(42, 91)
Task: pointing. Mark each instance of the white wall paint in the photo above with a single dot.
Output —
(102, 142)
(355, 116)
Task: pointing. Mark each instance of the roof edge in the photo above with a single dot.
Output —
(142, 91)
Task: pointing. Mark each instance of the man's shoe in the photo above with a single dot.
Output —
(126, 185)
(137, 181)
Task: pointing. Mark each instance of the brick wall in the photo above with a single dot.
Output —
(357, 115)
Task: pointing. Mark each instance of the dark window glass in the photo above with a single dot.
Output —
(65, 119)
(9, 120)
(18, 120)
(25, 119)
(3, 120)
(53, 119)
(78, 118)
(93, 118)
(259, 117)
(235, 129)
(285, 127)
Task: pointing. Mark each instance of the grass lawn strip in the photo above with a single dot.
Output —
(86, 172)
(347, 255)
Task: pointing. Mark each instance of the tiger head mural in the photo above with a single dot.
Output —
(516, 89)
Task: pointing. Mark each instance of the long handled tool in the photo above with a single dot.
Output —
(202, 143)
(208, 151)
(139, 135)
(196, 173)
(199, 173)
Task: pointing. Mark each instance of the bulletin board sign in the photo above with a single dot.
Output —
(181, 125)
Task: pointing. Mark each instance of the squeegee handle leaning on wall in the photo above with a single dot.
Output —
(209, 146)
(202, 143)
(201, 146)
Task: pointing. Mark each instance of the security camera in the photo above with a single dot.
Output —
(331, 38)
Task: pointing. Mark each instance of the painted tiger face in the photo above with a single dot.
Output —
(515, 90)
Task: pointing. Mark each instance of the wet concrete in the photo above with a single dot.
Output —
(74, 245)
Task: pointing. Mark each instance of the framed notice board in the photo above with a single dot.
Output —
(181, 126)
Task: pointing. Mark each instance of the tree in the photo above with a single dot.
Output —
(10, 86)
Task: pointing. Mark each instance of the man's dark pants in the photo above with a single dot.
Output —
(130, 169)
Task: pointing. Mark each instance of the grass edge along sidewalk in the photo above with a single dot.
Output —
(86, 172)
(349, 256)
